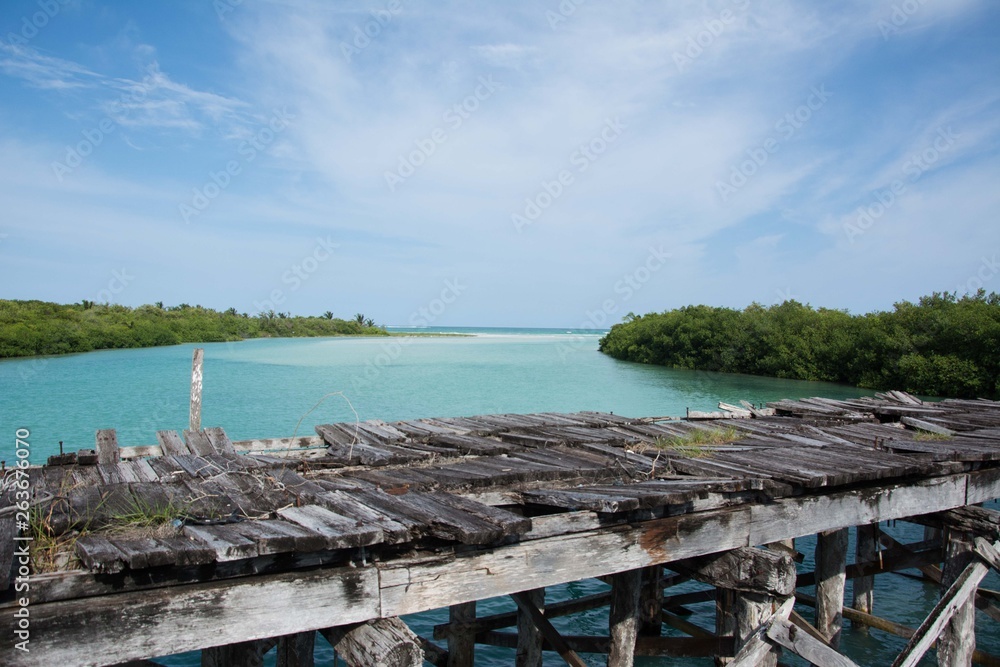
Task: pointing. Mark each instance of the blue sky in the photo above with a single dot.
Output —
(516, 163)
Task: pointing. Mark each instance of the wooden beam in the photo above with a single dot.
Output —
(107, 447)
(954, 598)
(529, 637)
(803, 645)
(673, 647)
(384, 642)
(831, 575)
(462, 640)
(885, 625)
(623, 619)
(197, 364)
(550, 633)
(163, 621)
(744, 569)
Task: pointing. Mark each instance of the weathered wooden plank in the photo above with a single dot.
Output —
(8, 532)
(219, 440)
(384, 642)
(796, 517)
(182, 618)
(107, 446)
(340, 532)
(801, 644)
(171, 443)
(198, 443)
(956, 596)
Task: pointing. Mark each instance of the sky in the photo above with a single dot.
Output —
(513, 163)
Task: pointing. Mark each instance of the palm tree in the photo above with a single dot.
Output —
(369, 322)
(360, 319)
(328, 314)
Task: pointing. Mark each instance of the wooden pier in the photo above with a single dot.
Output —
(237, 548)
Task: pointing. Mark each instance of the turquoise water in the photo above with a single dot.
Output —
(267, 388)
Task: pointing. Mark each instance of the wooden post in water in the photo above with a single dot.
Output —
(462, 640)
(725, 623)
(958, 638)
(866, 550)
(755, 581)
(296, 650)
(197, 364)
(623, 620)
(529, 637)
(831, 566)
(651, 602)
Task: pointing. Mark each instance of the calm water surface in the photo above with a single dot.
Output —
(267, 388)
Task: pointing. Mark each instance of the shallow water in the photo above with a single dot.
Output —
(274, 387)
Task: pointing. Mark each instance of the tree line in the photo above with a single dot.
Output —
(29, 328)
(943, 345)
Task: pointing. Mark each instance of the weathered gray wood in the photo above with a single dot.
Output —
(866, 551)
(107, 446)
(956, 597)
(958, 636)
(927, 426)
(462, 640)
(623, 621)
(171, 443)
(801, 644)
(244, 654)
(751, 613)
(182, 618)
(529, 637)
(384, 642)
(296, 650)
(197, 364)
(757, 648)
(745, 569)
(545, 627)
(831, 565)
(651, 602)
(725, 621)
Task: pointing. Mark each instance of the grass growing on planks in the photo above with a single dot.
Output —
(695, 445)
(143, 515)
(927, 436)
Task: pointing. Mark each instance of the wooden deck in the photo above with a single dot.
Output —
(374, 520)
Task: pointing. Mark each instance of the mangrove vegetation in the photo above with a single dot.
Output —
(943, 345)
(29, 328)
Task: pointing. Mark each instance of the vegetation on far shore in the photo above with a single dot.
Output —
(944, 345)
(29, 328)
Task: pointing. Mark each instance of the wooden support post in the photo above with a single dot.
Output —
(866, 551)
(462, 640)
(244, 654)
(651, 602)
(384, 642)
(296, 650)
(958, 638)
(197, 364)
(624, 617)
(529, 637)
(752, 582)
(725, 622)
(831, 566)
(107, 446)
(550, 634)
